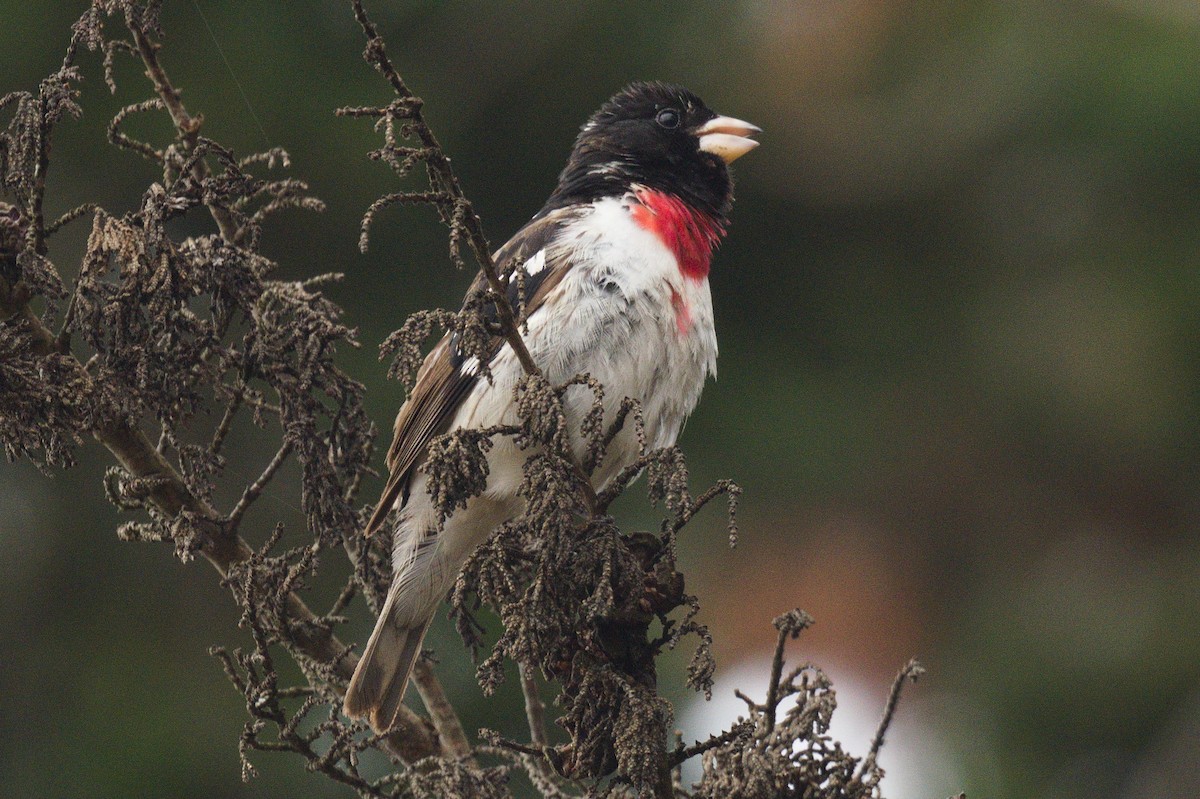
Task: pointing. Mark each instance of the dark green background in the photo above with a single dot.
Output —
(958, 377)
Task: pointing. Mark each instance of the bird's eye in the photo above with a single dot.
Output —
(668, 118)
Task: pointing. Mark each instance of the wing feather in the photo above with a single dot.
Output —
(442, 383)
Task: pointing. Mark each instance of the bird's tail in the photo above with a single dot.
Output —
(378, 685)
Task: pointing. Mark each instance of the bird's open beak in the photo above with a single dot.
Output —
(727, 138)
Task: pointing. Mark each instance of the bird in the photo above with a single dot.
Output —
(615, 284)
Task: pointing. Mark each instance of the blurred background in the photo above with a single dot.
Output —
(959, 382)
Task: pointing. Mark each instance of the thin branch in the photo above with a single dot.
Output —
(254, 490)
(186, 125)
(721, 487)
(69, 216)
(35, 235)
(911, 671)
(110, 49)
(624, 478)
(772, 702)
(740, 730)
(295, 690)
(402, 197)
(343, 599)
(226, 423)
(535, 714)
(120, 139)
(445, 719)
(535, 709)
(790, 625)
(629, 406)
(498, 740)
(750, 703)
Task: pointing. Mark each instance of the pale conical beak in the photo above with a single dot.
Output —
(727, 138)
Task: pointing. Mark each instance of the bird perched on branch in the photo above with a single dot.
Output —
(615, 286)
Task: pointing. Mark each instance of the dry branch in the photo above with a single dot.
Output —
(169, 330)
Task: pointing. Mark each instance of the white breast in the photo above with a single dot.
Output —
(624, 314)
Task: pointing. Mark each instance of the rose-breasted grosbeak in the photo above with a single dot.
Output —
(616, 286)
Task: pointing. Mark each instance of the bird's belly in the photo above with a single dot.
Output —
(648, 348)
(625, 315)
(664, 375)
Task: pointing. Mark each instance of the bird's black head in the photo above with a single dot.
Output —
(659, 136)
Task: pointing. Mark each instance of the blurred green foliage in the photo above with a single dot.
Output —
(958, 311)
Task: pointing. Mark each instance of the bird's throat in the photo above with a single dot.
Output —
(690, 234)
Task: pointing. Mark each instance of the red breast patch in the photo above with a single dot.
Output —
(690, 234)
(683, 314)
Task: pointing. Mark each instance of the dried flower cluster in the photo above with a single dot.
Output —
(162, 346)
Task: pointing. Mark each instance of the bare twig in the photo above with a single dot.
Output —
(445, 719)
(535, 709)
(69, 217)
(790, 625)
(496, 739)
(120, 139)
(911, 671)
(226, 424)
(110, 50)
(35, 236)
(348, 592)
(738, 731)
(255, 489)
(186, 125)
